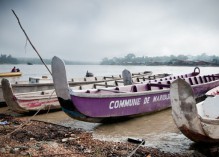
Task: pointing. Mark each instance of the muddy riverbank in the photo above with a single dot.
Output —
(75, 138)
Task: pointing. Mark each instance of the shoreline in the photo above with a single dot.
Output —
(38, 138)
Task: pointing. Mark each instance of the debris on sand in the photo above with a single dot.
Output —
(37, 138)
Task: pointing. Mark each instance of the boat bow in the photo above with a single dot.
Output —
(185, 113)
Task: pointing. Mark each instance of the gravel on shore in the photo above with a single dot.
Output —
(20, 137)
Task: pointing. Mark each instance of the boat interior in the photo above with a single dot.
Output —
(209, 109)
(158, 84)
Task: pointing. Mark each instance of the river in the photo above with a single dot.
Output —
(157, 129)
(98, 70)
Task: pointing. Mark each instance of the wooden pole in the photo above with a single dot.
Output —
(30, 41)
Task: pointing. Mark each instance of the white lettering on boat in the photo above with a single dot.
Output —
(161, 97)
(116, 104)
(124, 103)
(146, 100)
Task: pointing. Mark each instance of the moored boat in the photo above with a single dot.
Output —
(100, 105)
(197, 121)
(29, 102)
(10, 74)
(39, 100)
(40, 83)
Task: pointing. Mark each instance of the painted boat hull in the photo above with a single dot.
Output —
(29, 102)
(124, 104)
(94, 107)
(187, 118)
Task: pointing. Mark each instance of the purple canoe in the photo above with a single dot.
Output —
(101, 105)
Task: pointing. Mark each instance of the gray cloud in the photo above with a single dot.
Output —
(89, 30)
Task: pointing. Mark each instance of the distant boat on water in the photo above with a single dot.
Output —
(28, 63)
(10, 74)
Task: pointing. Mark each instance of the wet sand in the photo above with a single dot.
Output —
(158, 129)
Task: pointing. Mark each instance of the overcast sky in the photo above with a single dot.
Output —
(89, 30)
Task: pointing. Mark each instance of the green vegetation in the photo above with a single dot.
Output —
(129, 59)
(180, 60)
(4, 59)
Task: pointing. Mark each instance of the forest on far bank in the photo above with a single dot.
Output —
(129, 59)
(180, 60)
(8, 59)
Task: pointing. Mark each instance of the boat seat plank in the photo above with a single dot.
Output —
(152, 77)
(110, 83)
(119, 83)
(125, 88)
(99, 78)
(76, 87)
(90, 78)
(78, 79)
(87, 86)
(101, 84)
(141, 79)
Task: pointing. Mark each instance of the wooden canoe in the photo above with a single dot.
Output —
(197, 121)
(10, 74)
(100, 105)
(26, 102)
(80, 83)
(30, 101)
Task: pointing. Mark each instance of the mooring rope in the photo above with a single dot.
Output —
(30, 41)
(28, 121)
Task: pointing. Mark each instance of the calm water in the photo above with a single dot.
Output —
(100, 70)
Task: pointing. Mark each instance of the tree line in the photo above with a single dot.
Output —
(131, 59)
(4, 59)
(8, 59)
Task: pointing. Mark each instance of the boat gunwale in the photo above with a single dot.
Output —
(79, 93)
(115, 95)
(35, 98)
(209, 120)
